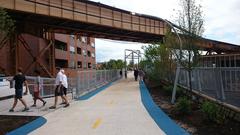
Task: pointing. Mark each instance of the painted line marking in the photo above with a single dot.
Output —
(97, 123)
(111, 102)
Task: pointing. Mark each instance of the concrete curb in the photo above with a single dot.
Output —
(161, 119)
(6, 97)
(29, 127)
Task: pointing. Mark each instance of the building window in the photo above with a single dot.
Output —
(79, 64)
(72, 64)
(84, 39)
(85, 65)
(61, 63)
(94, 66)
(89, 53)
(79, 50)
(93, 55)
(72, 36)
(93, 44)
(60, 45)
(89, 65)
(84, 52)
(72, 50)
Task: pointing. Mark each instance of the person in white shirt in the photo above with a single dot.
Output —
(59, 90)
(65, 86)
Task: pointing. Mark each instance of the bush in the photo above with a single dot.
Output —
(168, 89)
(184, 106)
(212, 112)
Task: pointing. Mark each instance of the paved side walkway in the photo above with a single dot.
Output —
(118, 110)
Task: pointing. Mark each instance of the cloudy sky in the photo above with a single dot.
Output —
(221, 22)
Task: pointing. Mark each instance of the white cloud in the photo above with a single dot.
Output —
(221, 21)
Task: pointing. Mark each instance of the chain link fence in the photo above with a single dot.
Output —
(221, 83)
(86, 81)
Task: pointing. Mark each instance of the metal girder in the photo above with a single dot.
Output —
(3, 42)
(35, 59)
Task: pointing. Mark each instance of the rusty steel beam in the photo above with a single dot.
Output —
(35, 59)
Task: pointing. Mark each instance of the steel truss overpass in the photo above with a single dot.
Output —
(43, 17)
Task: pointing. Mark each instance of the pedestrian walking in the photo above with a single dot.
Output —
(120, 73)
(64, 87)
(136, 74)
(19, 79)
(59, 90)
(37, 89)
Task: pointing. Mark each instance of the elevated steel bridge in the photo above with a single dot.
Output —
(95, 20)
(42, 18)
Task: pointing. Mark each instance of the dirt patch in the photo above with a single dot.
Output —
(9, 123)
(195, 123)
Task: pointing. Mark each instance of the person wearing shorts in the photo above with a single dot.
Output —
(36, 92)
(64, 87)
(59, 90)
(19, 79)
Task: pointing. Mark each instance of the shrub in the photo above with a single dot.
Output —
(183, 106)
(168, 89)
(212, 112)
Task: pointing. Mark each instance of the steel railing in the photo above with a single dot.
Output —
(220, 83)
(86, 81)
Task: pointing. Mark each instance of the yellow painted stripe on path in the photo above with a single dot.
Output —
(97, 123)
(111, 102)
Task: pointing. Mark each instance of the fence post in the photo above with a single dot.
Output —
(89, 83)
(199, 81)
(221, 83)
(78, 85)
(175, 84)
(217, 81)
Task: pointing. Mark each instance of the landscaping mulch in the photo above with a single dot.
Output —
(9, 123)
(195, 123)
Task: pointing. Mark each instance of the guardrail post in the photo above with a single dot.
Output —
(78, 85)
(175, 85)
(221, 85)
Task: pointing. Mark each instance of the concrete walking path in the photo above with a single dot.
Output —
(118, 110)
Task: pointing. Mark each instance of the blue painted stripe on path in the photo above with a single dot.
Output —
(92, 93)
(29, 127)
(162, 120)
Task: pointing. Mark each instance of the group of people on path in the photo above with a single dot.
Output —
(60, 89)
(138, 72)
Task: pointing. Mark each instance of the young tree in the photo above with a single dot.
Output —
(6, 27)
(190, 21)
(157, 61)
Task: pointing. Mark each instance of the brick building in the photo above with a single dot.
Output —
(74, 53)
(71, 52)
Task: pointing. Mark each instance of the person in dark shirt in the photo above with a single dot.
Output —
(19, 79)
(136, 74)
(120, 73)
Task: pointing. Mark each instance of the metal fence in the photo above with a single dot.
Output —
(89, 80)
(86, 81)
(222, 83)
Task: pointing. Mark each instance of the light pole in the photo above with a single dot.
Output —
(178, 63)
